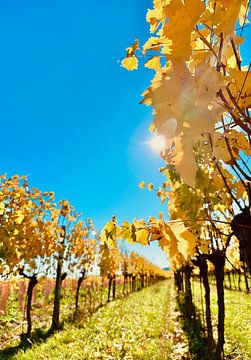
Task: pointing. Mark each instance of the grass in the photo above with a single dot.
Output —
(132, 328)
(141, 326)
(13, 323)
(237, 320)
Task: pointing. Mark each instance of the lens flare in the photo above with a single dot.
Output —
(157, 143)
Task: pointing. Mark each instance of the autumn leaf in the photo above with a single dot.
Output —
(19, 217)
(131, 50)
(130, 63)
(153, 63)
(150, 186)
(2, 208)
(109, 232)
(153, 43)
(142, 185)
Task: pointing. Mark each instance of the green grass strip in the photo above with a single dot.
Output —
(131, 328)
(237, 320)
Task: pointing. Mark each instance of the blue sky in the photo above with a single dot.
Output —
(70, 115)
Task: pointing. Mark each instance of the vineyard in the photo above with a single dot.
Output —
(72, 290)
(97, 331)
(93, 294)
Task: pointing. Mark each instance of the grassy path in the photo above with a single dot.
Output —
(144, 326)
(237, 320)
(132, 328)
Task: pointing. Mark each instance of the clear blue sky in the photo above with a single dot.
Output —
(70, 114)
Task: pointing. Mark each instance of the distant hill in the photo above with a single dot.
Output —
(166, 268)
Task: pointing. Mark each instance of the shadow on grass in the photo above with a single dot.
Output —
(38, 336)
(199, 346)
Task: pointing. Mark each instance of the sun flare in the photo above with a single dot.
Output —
(157, 143)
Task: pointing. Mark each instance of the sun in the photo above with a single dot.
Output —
(157, 143)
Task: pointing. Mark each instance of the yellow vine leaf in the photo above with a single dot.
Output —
(239, 140)
(130, 63)
(186, 240)
(152, 127)
(179, 27)
(220, 150)
(131, 50)
(243, 15)
(184, 160)
(109, 233)
(2, 208)
(142, 185)
(164, 244)
(239, 190)
(241, 81)
(153, 43)
(180, 102)
(141, 231)
(135, 232)
(166, 46)
(19, 217)
(153, 63)
(125, 230)
(173, 244)
(230, 17)
(150, 186)
(153, 17)
(142, 237)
